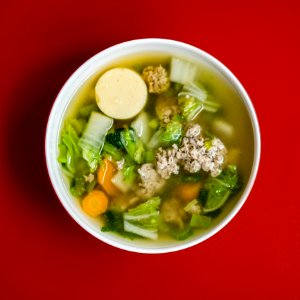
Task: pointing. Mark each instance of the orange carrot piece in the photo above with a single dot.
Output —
(188, 191)
(95, 203)
(104, 176)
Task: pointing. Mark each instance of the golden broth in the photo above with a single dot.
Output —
(232, 111)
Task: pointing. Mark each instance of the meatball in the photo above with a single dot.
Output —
(151, 182)
(156, 78)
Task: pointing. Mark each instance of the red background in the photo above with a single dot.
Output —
(45, 254)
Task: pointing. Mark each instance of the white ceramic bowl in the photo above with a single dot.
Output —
(89, 69)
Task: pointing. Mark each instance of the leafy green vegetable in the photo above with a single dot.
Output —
(203, 196)
(143, 219)
(230, 178)
(190, 107)
(133, 145)
(110, 150)
(93, 137)
(78, 124)
(114, 222)
(79, 186)
(172, 133)
(218, 189)
(69, 150)
(193, 99)
(129, 169)
(147, 207)
(200, 221)
(114, 138)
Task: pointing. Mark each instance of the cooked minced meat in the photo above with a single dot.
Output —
(193, 155)
(151, 182)
(167, 162)
(156, 77)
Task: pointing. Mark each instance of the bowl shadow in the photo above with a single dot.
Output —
(25, 136)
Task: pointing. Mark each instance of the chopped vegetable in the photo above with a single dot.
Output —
(141, 127)
(78, 124)
(190, 107)
(182, 71)
(93, 138)
(219, 189)
(121, 93)
(111, 151)
(119, 181)
(188, 191)
(143, 219)
(133, 145)
(95, 203)
(77, 187)
(139, 230)
(69, 152)
(80, 186)
(155, 140)
(129, 170)
(172, 133)
(105, 175)
(200, 221)
(114, 222)
(188, 97)
(148, 207)
(193, 207)
(114, 138)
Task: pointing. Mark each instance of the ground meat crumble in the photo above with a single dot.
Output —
(156, 78)
(193, 155)
(151, 182)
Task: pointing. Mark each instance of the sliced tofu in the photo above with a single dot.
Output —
(121, 93)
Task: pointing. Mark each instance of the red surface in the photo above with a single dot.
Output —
(46, 255)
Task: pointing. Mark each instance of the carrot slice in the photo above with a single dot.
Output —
(188, 191)
(95, 203)
(104, 176)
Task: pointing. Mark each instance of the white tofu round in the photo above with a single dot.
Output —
(121, 93)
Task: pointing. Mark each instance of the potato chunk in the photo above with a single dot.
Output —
(121, 93)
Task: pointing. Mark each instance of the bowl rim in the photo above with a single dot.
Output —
(82, 72)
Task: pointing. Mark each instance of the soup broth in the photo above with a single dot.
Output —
(186, 199)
